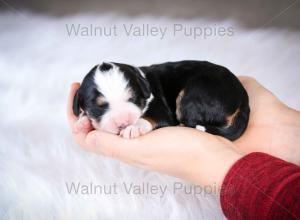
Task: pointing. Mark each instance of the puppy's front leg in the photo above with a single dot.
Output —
(157, 115)
(141, 127)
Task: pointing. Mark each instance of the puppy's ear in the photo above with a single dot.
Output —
(77, 103)
(144, 85)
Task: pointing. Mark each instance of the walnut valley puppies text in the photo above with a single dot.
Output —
(142, 188)
(148, 30)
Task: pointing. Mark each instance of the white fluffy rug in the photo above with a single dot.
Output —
(38, 158)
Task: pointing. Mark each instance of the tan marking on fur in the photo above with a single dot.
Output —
(178, 101)
(230, 119)
(100, 100)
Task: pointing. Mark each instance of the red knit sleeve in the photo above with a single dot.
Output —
(260, 186)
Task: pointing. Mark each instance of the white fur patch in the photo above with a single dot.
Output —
(147, 103)
(151, 96)
(114, 87)
(141, 72)
(112, 84)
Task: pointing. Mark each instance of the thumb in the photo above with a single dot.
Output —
(111, 145)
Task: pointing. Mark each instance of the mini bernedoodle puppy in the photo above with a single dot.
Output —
(131, 101)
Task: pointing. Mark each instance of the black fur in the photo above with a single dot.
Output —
(211, 94)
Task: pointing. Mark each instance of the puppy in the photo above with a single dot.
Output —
(131, 101)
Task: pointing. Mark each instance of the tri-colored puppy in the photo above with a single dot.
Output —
(131, 101)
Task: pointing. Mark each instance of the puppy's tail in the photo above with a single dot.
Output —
(236, 128)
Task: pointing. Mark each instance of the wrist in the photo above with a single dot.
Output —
(285, 138)
(211, 170)
(228, 159)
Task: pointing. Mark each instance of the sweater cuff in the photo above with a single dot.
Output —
(253, 184)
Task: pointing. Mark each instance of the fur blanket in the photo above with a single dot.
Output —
(44, 174)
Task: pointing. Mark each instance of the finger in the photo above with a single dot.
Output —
(112, 145)
(106, 143)
(71, 117)
(248, 81)
(82, 124)
(79, 134)
(257, 92)
(138, 151)
(245, 79)
(252, 86)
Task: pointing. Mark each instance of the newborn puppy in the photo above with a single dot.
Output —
(131, 101)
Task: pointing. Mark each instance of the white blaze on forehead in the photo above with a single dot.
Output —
(112, 84)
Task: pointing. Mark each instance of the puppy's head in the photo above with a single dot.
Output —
(113, 96)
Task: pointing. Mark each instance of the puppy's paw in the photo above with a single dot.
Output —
(138, 129)
(82, 125)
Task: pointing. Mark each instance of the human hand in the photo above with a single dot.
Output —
(273, 127)
(193, 155)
